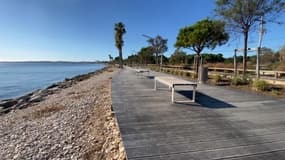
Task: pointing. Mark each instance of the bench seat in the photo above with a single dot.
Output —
(172, 82)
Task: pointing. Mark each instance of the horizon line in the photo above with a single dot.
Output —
(52, 61)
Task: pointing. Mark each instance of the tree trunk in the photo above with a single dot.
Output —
(121, 57)
(156, 59)
(245, 52)
(197, 57)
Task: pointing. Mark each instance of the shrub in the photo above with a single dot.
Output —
(194, 76)
(176, 72)
(185, 74)
(246, 80)
(260, 85)
(217, 78)
(188, 74)
(275, 92)
(236, 81)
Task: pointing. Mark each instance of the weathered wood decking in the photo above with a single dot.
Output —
(222, 124)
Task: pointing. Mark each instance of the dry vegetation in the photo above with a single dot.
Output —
(281, 67)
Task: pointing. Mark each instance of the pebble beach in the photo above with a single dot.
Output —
(75, 122)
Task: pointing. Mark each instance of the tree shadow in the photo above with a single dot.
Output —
(206, 101)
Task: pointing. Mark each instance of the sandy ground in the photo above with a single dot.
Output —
(76, 123)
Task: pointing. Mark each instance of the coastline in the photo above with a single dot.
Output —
(6, 105)
(72, 119)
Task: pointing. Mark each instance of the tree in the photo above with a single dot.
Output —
(178, 57)
(243, 15)
(204, 34)
(120, 31)
(282, 54)
(133, 59)
(190, 59)
(268, 56)
(159, 46)
(110, 58)
(117, 60)
(146, 55)
(213, 58)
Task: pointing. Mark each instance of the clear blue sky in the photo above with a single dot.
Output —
(83, 30)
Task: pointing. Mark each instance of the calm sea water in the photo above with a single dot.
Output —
(19, 78)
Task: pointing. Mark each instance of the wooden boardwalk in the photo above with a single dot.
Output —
(222, 124)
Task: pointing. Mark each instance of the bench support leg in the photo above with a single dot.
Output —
(194, 94)
(172, 94)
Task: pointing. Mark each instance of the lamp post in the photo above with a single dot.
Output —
(261, 31)
(235, 62)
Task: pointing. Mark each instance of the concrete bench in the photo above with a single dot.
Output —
(141, 71)
(172, 82)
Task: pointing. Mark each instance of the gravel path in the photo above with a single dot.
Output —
(76, 123)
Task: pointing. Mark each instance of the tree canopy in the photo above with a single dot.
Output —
(159, 45)
(204, 34)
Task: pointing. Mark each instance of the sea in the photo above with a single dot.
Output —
(19, 78)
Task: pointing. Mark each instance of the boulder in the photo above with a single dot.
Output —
(8, 103)
(53, 85)
(36, 98)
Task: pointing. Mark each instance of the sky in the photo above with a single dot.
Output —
(83, 30)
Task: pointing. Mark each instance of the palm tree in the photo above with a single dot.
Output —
(110, 58)
(120, 31)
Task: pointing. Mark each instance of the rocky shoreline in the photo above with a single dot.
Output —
(36, 96)
(71, 120)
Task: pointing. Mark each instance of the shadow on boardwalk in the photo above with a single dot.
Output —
(206, 101)
(203, 99)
